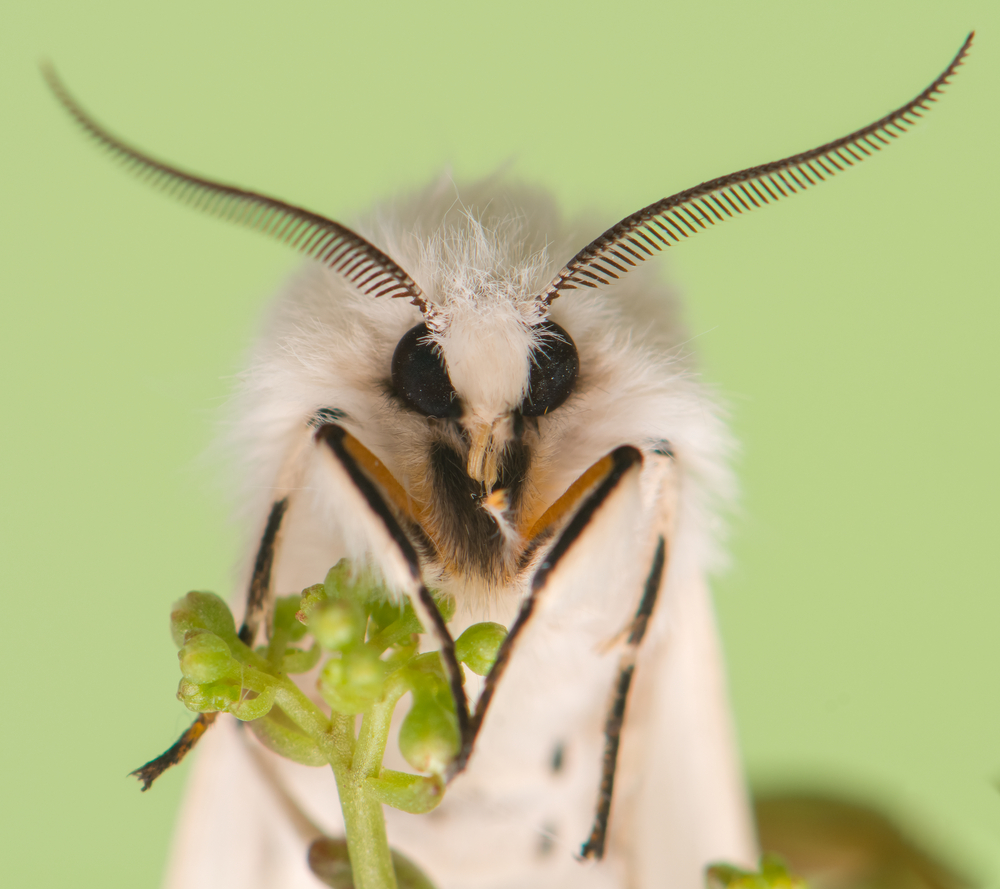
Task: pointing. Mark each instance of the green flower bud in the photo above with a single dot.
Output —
(205, 658)
(477, 647)
(338, 579)
(337, 624)
(201, 611)
(353, 682)
(247, 708)
(311, 597)
(208, 698)
(285, 610)
(428, 737)
(343, 581)
(424, 675)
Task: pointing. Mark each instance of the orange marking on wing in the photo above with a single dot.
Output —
(569, 499)
(383, 478)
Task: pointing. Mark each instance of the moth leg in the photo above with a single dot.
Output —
(259, 593)
(587, 496)
(594, 847)
(351, 455)
(152, 770)
(258, 600)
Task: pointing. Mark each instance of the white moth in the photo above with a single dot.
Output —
(450, 400)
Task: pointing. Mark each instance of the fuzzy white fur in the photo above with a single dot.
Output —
(481, 255)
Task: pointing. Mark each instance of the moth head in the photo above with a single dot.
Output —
(487, 374)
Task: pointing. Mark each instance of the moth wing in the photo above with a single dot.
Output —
(683, 801)
(234, 831)
(513, 819)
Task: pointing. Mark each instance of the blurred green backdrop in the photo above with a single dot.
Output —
(852, 330)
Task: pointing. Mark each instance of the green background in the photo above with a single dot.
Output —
(852, 331)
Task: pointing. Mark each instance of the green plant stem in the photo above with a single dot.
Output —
(367, 843)
(364, 822)
(354, 760)
(374, 732)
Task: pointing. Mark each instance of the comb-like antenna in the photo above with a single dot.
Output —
(326, 241)
(668, 221)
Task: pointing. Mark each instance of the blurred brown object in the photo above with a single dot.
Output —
(837, 844)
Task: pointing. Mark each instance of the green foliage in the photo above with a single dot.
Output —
(372, 647)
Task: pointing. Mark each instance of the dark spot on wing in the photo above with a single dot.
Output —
(558, 758)
(547, 839)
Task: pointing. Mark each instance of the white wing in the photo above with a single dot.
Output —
(517, 817)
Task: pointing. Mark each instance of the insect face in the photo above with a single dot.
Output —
(478, 395)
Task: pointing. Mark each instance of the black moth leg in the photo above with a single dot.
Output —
(594, 847)
(622, 460)
(152, 770)
(420, 596)
(259, 596)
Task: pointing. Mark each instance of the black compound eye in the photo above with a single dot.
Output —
(420, 377)
(554, 367)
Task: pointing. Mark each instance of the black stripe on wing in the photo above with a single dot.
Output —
(672, 219)
(332, 244)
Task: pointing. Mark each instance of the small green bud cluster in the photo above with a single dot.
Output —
(373, 646)
(373, 659)
(220, 673)
(351, 616)
(203, 629)
(337, 613)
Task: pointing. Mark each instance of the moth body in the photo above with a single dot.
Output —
(512, 819)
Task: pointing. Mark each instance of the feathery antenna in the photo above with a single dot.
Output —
(672, 219)
(322, 239)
